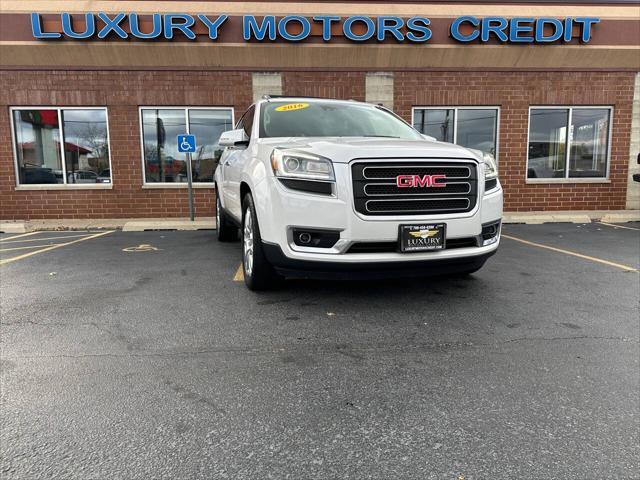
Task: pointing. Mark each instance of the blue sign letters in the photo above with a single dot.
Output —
(521, 29)
(297, 28)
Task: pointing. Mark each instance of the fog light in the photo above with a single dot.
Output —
(490, 233)
(304, 238)
(310, 237)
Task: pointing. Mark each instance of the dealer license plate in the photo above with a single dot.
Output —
(418, 238)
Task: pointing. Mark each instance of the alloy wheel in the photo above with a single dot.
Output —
(217, 211)
(248, 242)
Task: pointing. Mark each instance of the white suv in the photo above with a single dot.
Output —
(325, 188)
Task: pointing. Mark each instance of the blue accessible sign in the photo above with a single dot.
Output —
(186, 143)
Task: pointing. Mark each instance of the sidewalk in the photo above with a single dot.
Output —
(209, 223)
(125, 224)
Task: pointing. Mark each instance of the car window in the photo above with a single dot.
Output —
(246, 121)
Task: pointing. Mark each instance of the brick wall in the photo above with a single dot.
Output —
(123, 92)
(514, 93)
(346, 85)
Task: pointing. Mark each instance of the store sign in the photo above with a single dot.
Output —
(295, 28)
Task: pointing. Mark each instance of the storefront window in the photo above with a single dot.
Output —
(469, 127)
(547, 143)
(160, 128)
(568, 142)
(589, 143)
(437, 123)
(83, 156)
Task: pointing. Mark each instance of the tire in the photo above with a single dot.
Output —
(226, 230)
(258, 272)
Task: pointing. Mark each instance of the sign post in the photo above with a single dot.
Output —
(187, 145)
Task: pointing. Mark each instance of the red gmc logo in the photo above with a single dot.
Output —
(414, 181)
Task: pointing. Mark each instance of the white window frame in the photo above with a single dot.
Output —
(567, 178)
(187, 121)
(58, 186)
(455, 119)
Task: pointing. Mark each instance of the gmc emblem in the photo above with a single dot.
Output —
(426, 181)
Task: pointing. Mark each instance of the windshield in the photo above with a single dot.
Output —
(330, 119)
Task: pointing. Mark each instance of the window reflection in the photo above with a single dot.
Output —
(38, 146)
(207, 125)
(585, 142)
(437, 123)
(86, 149)
(547, 143)
(589, 143)
(160, 128)
(163, 162)
(469, 127)
(84, 153)
(476, 128)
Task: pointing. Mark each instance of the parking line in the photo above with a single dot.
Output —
(18, 236)
(25, 248)
(61, 237)
(52, 247)
(619, 226)
(239, 276)
(574, 254)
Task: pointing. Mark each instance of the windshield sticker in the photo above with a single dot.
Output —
(291, 107)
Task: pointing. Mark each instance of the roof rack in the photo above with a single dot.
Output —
(269, 97)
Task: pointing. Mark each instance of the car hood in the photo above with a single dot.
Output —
(345, 149)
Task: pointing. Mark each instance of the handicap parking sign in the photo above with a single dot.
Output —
(186, 143)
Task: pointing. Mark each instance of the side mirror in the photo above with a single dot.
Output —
(429, 138)
(234, 138)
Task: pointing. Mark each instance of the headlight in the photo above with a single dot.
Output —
(490, 167)
(292, 164)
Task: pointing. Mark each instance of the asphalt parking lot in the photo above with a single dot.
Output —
(137, 355)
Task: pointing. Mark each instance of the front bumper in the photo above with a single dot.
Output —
(362, 269)
(286, 209)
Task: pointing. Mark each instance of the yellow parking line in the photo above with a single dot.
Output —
(239, 276)
(61, 237)
(25, 248)
(619, 226)
(52, 247)
(574, 254)
(18, 236)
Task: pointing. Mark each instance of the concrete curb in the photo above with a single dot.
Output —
(622, 217)
(13, 227)
(75, 224)
(536, 218)
(124, 224)
(176, 224)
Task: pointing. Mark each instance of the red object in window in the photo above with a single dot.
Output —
(49, 117)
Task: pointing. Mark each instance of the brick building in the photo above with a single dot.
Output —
(88, 124)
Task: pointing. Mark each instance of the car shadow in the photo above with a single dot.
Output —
(388, 287)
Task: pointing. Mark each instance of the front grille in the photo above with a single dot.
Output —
(376, 192)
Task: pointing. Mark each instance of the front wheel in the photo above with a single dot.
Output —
(258, 272)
